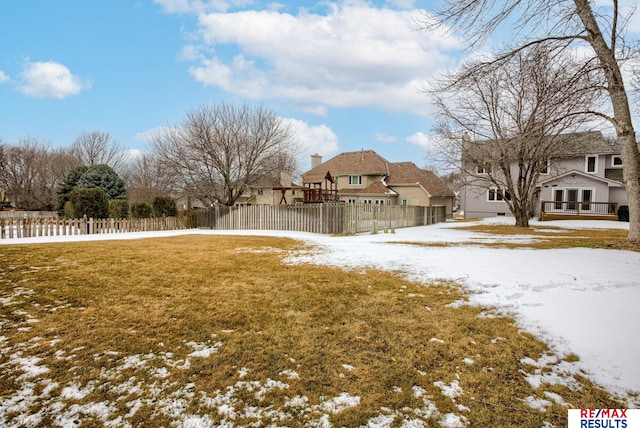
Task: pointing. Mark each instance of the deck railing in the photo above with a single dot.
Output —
(578, 209)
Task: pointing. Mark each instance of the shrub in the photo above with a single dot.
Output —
(118, 208)
(141, 210)
(164, 206)
(93, 203)
(69, 183)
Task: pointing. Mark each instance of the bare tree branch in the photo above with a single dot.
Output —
(219, 151)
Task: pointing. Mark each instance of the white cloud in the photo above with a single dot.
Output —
(384, 138)
(427, 142)
(50, 80)
(355, 56)
(3, 77)
(312, 139)
(148, 135)
(199, 6)
(130, 155)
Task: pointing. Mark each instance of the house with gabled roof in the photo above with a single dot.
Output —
(582, 179)
(366, 177)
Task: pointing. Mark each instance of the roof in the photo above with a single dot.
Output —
(405, 173)
(376, 188)
(584, 143)
(363, 162)
(574, 172)
(368, 162)
(561, 146)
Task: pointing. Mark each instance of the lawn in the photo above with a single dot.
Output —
(219, 331)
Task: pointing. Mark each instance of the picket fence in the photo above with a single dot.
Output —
(317, 218)
(19, 227)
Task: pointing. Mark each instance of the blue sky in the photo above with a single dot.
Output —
(347, 75)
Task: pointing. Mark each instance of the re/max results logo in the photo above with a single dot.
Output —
(604, 418)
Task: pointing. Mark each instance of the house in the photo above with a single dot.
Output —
(267, 190)
(366, 177)
(272, 191)
(583, 179)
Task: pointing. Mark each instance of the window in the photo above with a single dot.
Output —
(591, 164)
(545, 167)
(572, 199)
(495, 195)
(355, 179)
(483, 169)
(405, 202)
(366, 201)
(351, 201)
(616, 160)
(586, 199)
(379, 201)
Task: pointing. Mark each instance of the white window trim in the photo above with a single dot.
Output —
(548, 171)
(586, 164)
(351, 181)
(579, 196)
(483, 169)
(495, 191)
(613, 160)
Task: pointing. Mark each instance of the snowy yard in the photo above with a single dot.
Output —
(579, 301)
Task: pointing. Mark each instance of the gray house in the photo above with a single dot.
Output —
(583, 179)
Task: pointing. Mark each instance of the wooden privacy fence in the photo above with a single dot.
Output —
(19, 227)
(319, 218)
(316, 218)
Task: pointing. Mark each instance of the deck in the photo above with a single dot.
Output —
(574, 210)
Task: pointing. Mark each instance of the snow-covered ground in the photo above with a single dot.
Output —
(582, 301)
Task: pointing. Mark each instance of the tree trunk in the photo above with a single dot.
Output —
(621, 114)
(522, 217)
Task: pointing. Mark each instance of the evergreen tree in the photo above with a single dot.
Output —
(105, 178)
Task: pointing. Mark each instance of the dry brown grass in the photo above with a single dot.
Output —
(548, 237)
(119, 320)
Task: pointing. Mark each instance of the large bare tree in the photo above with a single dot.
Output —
(570, 24)
(27, 176)
(98, 148)
(505, 121)
(147, 178)
(219, 150)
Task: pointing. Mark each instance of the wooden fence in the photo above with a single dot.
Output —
(18, 227)
(316, 218)
(29, 214)
(319, 218)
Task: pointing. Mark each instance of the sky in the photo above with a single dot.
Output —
(346, 75)
(580, 301)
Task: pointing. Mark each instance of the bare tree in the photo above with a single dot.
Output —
(147, 178)
(505, 123)
(218, 151)
(98, 148)
(26, 175)
(568, 24)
